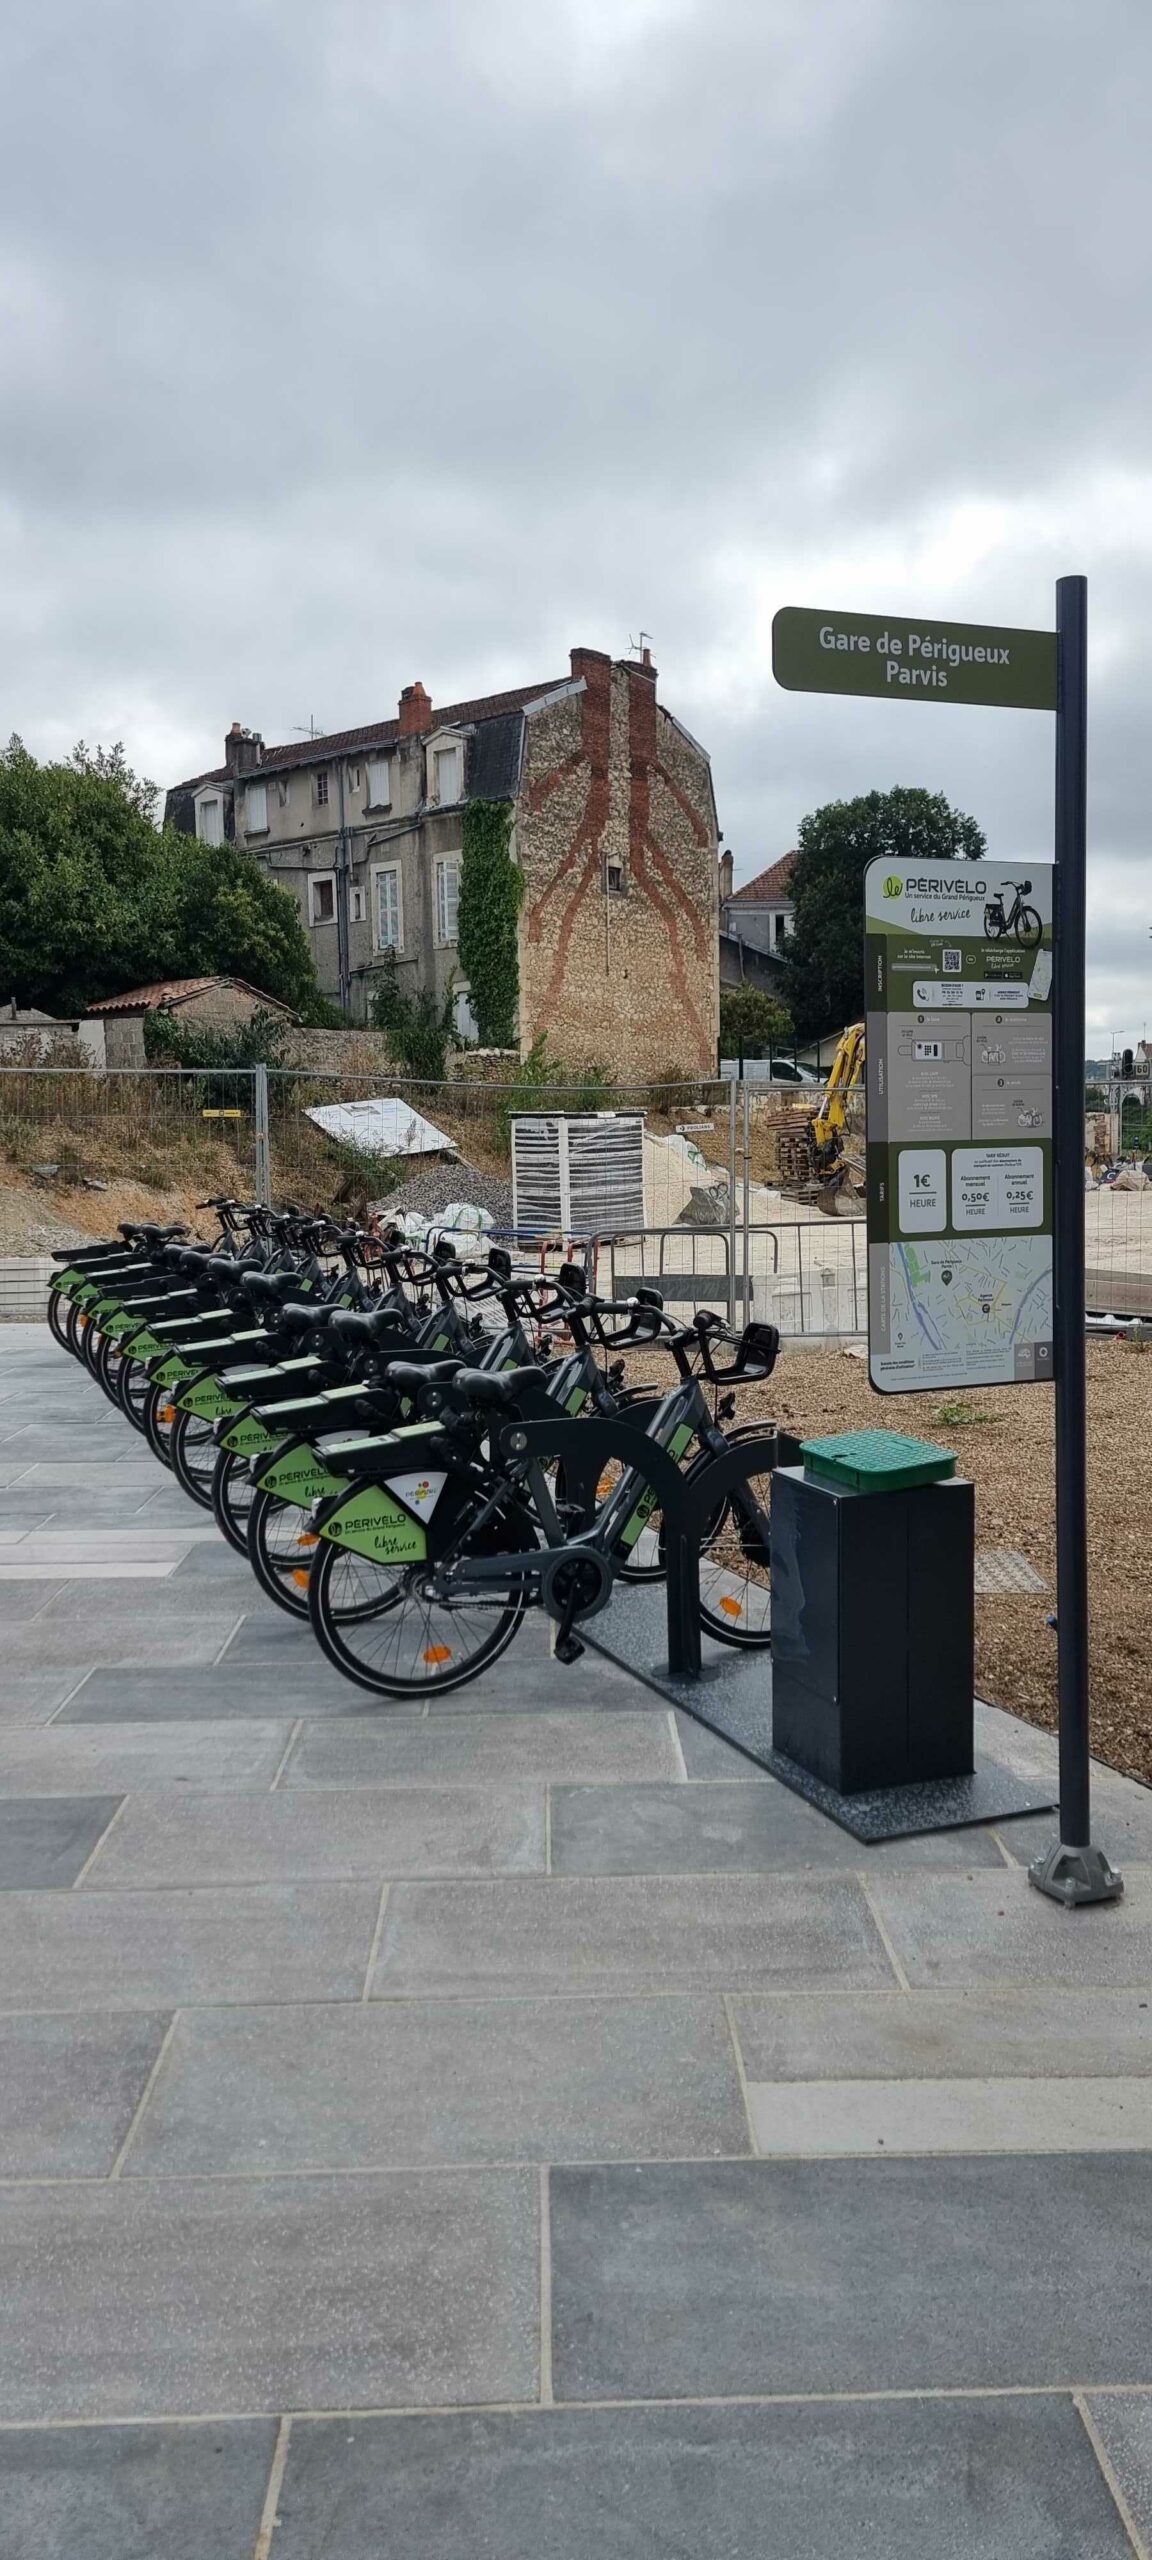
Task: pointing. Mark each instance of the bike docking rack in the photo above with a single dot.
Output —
(653, 1630)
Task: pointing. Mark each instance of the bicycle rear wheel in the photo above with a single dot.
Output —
(735, 1579)
(374, 1622)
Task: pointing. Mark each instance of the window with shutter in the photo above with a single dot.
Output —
(322, 898)
(447, 774)
(389, 921)
(256, 809)
(210, 822)
(447, 897)
(321, 790)
(379, 771)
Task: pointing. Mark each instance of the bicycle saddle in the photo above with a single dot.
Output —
(368, 1331)
(487, 1387)
(293, 1317)
(411, 1375)
(268, 1288)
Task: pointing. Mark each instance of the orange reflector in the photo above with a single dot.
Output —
(167, 1413)
(604, 1486)
(731, 1608)
(299, 1574)
(308, 1538)
(438, 1653)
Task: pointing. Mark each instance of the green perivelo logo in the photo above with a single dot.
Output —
(893, 886)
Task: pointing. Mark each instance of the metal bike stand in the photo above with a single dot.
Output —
(654, 1632)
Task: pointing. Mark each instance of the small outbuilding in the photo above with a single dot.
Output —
(209, 1004)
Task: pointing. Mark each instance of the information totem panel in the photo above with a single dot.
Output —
(958, 978)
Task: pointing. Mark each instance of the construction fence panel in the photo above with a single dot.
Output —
(81, 1148)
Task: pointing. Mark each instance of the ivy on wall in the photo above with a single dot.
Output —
(491, 888)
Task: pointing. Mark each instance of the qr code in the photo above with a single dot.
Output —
(953, 963)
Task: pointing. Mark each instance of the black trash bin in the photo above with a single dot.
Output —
(873, 1543)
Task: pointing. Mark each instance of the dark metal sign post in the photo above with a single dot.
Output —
(1072, 1870)
(926, 660)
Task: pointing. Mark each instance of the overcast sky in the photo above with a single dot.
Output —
(349, 341)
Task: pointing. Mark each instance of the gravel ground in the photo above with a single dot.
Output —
(435, 1185)
(1003, 1439)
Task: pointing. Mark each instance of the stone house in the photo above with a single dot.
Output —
(760, 914)
(613, 828)
(208, 1004)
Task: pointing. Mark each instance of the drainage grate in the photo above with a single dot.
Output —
(1002, 1569)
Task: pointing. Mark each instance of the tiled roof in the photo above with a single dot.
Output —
(380, 733)
(775, 882)
(177, 991)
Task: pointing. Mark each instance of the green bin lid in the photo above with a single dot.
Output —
(876, 1461)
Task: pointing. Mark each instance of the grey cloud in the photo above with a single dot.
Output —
(354, 344)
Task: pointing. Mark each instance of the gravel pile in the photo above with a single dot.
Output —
(431, 1189)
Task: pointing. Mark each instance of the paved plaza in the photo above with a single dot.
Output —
(523, 2129)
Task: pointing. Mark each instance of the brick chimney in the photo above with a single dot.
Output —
(243, 749)
(725, 876)
(592, 664)
(415, 710)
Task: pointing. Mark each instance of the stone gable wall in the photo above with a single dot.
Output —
(628, 980)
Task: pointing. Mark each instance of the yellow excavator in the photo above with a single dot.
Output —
(823, 1156)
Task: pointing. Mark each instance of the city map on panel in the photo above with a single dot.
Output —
(959, 1062)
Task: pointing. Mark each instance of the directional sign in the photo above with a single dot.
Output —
(913, 661)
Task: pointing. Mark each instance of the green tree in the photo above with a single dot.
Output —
(751, 1023)
(95, 898)
(491, 888)
(824, 953)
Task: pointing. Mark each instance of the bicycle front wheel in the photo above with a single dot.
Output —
(232, 1496)
(1028, 928)
(194, 1455)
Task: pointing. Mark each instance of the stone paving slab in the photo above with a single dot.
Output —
(832, 2117)
(212, 1596)
(21, 1599)
(73, 1760)
(619, 1933)
(222, 1561)
(707, 1755)
(114, 1951)
(699, 1829)
(405, 1831)
(863, 2480)
(134, 2493)
(1121, 1824)
(1123, 2422)
(32, 1697)
(147, 1638)
(192, 2296)
(987, 1930)
(209, 1693)
(487, 1750)
(947, 2035)
(69, 2087)
(47, 1840)
(851, 2275)
(526, 1678)
(415, 2083)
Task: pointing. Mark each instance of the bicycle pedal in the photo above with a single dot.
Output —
(568, 1648)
